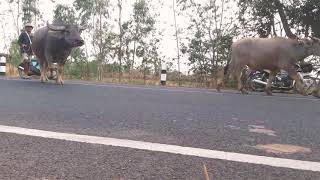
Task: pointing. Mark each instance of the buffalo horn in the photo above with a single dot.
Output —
(315, 39)
(55, 27)
(82, 28)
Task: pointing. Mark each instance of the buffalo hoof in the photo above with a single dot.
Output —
(316, 93)
(60, 82)
(218, 89)
(303, 93)
(269, 93)
(43, 80)
(244, 91)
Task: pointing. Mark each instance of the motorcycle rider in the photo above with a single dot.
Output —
(25, 41)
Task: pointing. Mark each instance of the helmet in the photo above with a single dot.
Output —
(28, 25)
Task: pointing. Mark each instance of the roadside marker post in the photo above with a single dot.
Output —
(3, 61)
(163, 77)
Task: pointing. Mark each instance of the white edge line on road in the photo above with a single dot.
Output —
(174, 149)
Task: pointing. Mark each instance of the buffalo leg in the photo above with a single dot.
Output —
(272, 75)
(50, 69)
(244, 78)
(294, 75)
(239, 74)
(220, 79)
(43, 71)
(60, 75)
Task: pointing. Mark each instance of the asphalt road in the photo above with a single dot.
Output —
(178, 116)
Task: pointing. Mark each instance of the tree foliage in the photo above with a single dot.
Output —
(64, 14)
(76, 66)
(30, 10)
(121, 44)
(268, 18)
(211, 30)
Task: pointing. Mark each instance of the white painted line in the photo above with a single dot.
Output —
(189, 151)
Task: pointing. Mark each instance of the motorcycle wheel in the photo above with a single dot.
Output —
(256, 86)
(54, 75)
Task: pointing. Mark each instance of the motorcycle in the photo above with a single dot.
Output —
(34, 70)
(257, 80)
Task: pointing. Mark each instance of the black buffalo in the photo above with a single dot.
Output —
(53, 44)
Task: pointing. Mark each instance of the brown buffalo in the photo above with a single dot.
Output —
(272, 54)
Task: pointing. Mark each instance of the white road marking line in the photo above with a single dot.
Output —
(189, 151)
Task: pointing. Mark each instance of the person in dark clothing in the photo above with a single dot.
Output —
(25, 41)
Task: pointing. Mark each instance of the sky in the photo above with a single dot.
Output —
(166, 22)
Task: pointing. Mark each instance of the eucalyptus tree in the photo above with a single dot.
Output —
(209, 34)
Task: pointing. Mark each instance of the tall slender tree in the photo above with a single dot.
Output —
(121, 34)
(212, 28)
(76, 66)
(177, 40)
(95, 15)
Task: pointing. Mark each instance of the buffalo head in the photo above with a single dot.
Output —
(69, 33)
(315, 46)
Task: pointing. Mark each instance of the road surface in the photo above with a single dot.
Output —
(173, 132)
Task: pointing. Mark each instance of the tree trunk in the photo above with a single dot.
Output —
(177, 40)
(284, 20)
(273, 27)
(18, 16)
(86, 61)
(120, 40)
(134, 50)
(100, 68)
(133, 58)
(128, 61)
(306, 33)
(144, 72)
(88, 71)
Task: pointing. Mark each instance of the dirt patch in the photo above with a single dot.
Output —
(282, 148)
(261, 130)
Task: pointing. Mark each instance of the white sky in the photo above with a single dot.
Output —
(46, 8)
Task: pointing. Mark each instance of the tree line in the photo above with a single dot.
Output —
(127, 49)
